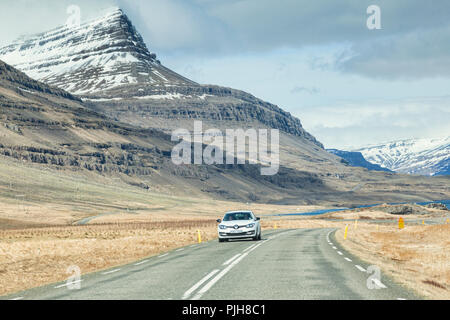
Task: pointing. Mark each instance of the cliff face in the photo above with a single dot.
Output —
(107, 62)
(51, 128)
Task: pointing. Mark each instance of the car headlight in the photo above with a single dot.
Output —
(222, 226)
(250, 225)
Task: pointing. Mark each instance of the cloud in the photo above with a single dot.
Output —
(413, 42)
(301, 89)
(349, 125)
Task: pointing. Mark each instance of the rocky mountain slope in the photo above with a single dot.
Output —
(356, 159)
(50, 127)
(414, 156)
(107, 62)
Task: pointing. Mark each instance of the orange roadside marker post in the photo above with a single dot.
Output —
(401, 223)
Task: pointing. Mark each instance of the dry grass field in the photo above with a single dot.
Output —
(40, 235)
(417, 256)
(35, 256)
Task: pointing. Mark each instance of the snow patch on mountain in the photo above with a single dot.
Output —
(413, 156)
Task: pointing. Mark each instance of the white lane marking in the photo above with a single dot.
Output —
(163, 255)
(360, 268)
(331, 243)
(379, 283)
(231, 259)
(194, 245)
(179, 249)
(68, 284)
(349, 260)
(248, 248)
(208, 286)
(18, 298)
(198, 284)
(112, 271)
(401, 299)
(328, 236)
(142, 262)
(340, 253)
(334, 248)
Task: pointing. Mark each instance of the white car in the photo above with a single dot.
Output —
(239, 225)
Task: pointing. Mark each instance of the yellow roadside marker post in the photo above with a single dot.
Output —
(346, 232)
(423, 222)
(199, 236)
(378, 227)
(401, 223)
(275, 225)
(448, 220)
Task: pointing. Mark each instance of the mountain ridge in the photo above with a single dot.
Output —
(356, 159)
(412, 156)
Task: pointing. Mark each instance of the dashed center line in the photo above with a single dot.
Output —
(68, 284)
(340, 253)
(248, 248)
(231, 259)
(198, 284)
(349, 260)
(334, 248)
(208, 286)
(112, 271)
(360, 268)
(142, 262)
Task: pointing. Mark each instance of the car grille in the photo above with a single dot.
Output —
(247, 233)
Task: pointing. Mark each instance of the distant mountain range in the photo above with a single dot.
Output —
(356, 159)
(413, 156)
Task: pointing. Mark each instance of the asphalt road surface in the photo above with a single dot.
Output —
(285, 264)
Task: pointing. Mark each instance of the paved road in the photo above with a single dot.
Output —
(286, 264)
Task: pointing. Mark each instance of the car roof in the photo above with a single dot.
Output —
(236, 211)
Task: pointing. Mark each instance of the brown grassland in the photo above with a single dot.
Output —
(51, 220)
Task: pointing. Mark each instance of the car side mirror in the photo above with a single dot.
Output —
(219, 221)
(258, 218)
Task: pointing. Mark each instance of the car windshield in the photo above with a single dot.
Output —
(238, 216)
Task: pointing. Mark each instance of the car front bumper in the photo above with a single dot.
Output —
(225, 234)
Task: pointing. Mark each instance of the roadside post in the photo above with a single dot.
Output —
(401, 223)
(199, 236)
(346, 232)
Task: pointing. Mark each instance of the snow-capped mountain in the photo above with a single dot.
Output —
(97, 55)
(107, 63)
(414, 156)
(356, 159)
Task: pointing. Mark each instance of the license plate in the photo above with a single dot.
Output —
(234, 231)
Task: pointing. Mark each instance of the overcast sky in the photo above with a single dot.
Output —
(350, 86)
